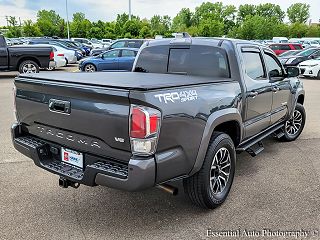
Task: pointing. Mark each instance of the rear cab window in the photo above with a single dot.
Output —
(195, 60)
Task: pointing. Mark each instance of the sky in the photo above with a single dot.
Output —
(107, 10)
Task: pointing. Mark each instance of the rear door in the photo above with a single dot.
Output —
(280, 87)
(126, 59)
(4, 61)
(109, 61)
(258, 91)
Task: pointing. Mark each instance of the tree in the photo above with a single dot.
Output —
(80, 26)
(50, 23)
(269, 10)
(298, 12)
(223, 15)
(298, 30)
(132, 27)
(160, 25)
(246, 10)
(14, 29)
(313, 31)
(145, 32)
(210, 28)
(31, 29)
(183, 20)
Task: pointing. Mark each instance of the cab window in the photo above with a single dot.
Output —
(274, 68)
(253, 65)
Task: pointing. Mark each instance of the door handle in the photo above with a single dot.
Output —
(275, 89)
(59, 106)
(253, 94)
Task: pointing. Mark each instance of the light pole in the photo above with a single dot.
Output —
(67, 20)
(130, 10)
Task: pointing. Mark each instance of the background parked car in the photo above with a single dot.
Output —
(70, 59)
(122, 43)
(59, 56)
(279, 48)
(116, 59)
(310, 68)
(310, 53)
(290, 53)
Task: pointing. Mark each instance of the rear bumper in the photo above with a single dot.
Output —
(138, 174)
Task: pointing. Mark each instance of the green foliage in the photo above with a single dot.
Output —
(249, 21)
(269, 10)
(31, 29)
(313, 31)
(298, 12)
(246, 10)
(210, 28)
(298, 30)
(50, 23)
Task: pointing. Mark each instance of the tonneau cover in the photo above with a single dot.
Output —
(124, 80)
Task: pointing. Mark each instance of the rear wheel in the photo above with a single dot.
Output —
(294, 126)
(89, 68)
(210, 187)
(29, 66)
(318, 76)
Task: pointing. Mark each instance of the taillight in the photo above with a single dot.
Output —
(60, 55)
(144, 129)
(51, 55)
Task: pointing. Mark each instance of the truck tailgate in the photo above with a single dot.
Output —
(96, 121)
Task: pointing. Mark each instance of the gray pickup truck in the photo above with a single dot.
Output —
(25, 59)
(185, 110)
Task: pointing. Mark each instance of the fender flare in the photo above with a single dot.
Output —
(215, 119)
(295, 101)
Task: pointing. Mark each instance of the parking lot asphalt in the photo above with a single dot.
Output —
(277, 190)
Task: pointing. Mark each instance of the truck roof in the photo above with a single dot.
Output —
(211, 41)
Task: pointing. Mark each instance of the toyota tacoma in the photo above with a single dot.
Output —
(188, 106)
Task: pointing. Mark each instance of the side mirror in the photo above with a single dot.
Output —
(274, 73)
(293, 71)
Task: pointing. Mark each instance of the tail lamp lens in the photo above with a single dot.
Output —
(60, 55)
(144, 129)
(51, 55)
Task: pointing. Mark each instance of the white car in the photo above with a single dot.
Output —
(59, 57)
(69, 55)
(310, 68)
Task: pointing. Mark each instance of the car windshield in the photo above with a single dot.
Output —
(307, 52)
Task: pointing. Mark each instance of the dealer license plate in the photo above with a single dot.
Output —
(72, 157)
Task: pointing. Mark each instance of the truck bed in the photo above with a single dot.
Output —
(124, 80)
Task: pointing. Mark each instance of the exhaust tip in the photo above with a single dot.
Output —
(169, 189)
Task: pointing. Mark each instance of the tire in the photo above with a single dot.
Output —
(318, 75)
(89, 68)
(28, 66)
(294, 126)
(203, 187)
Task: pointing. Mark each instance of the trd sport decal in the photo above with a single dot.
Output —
(182, 96)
